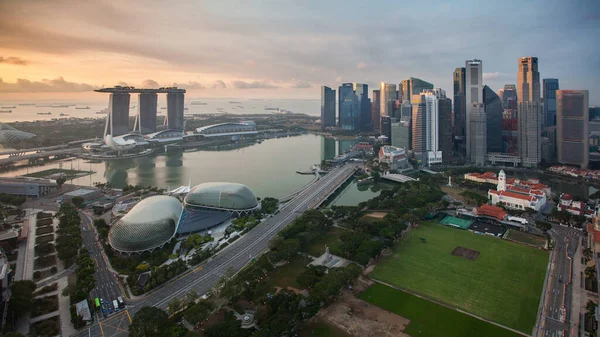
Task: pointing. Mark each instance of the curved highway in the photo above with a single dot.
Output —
(238, 254)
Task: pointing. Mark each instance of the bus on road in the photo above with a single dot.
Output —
(97, 303)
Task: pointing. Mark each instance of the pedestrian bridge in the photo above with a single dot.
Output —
(399, 178)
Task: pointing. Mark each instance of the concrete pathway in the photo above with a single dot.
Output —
(66, 327)
(43, 317)
(578, 293)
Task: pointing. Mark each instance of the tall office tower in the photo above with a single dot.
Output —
(117, 122)
(348, 107)
(406, 93)
(327, 148)
(419, 128)
(500, 93)
(509, 96)
(327, 107)
(401, 134)
(400, 93)
(432, 124)
(417, 85)
(362, 120)
(386, 126)
(375, 109)
(147, 103)
(406, 109)
(175, 111)
(445, 128)
(550, 85)
(528, 80)
(594, 112)
(388, 96)
(530, 129)
(473, 85)
(572, 124)
(493, 113)
(460, 110)
(478, 136)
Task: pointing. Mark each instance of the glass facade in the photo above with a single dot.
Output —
(493, 113)
(175, 111)
(147, 112)
(118, 114)
(417, 85)
(348, 106)
(230, 196)
(362, 120)
(550, 85)
(150, 224)
(445, 128)
(375, 109)
(459, 110)
(327, 107)
(572, 127)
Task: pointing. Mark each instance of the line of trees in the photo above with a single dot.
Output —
(68, 239)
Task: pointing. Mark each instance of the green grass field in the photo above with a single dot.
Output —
(429, 319)
(286, 275)
(504, 284)
(49, 172)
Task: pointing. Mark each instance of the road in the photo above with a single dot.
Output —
(558, 303)
(235, 256)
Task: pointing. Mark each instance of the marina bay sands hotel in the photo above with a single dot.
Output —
(117, 122)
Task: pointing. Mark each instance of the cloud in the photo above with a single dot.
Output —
(219, 85)
(122, 83)
(190, 85)
(493, 76)
(13, 60)
(301, 84)
(250, 63)
(152, 84)
(56, 85)
(361, 65)
(252, 85)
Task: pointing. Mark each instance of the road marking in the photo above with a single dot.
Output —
(197, 269)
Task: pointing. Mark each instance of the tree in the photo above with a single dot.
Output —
(78, 202)
(174, 305)
(268, 205)
(192, 295)
(14, 334)
(375, 175)
(198, 312)
(60, 181)
(543, 225)
(227, 328)
(150, 322)
(588, 254)
(590, 306)
(22, 299)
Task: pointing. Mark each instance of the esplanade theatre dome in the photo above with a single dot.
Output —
(150, 224)
(231, 197)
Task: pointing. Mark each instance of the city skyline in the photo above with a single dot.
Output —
(285, 51)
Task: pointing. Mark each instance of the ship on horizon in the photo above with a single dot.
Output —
(83, 108)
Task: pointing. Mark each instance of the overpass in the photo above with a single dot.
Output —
(399, 178)
(295, 193)
(37, 155)
(237, 254)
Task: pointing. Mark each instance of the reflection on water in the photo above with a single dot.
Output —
(354, 193)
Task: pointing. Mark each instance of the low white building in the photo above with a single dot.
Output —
(516, 197)
(394, 157)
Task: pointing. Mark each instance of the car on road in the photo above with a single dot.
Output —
(116, 305)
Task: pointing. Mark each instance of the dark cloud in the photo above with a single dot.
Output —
(219, 85)
(302, 84)
(45, 85)
(13, 60)
(252, 85)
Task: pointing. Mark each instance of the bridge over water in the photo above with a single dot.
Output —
(399, 178)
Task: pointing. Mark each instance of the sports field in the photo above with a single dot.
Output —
(502, 284)
(429, 319)
(456, 222)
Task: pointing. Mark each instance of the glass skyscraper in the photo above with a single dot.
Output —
(347, 106)
(327, 107)
(572, 127)
(550, 85)
(362, 120)
(493, 116)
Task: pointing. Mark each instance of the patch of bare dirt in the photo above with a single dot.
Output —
(361, 319)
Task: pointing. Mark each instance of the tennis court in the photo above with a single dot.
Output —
(456, 222)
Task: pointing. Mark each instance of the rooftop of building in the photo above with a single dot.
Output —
(491, 211)
(130, 90)
(80, 192)
(514, 195)
(27, 180)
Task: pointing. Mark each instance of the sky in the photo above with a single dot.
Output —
(287, 49)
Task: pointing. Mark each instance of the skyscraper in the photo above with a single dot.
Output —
(388, 96)
(509, 96)
(459, 110)
(530, 130)
(362, 120)
(445, 128)
(175, 111)
(327, 148)
(406, 92)
(528, 80)
(386, 126)
(406, 109)
(417, 85)
(473, 94)
(478, 129)
(530, 113)
(401, 134)
(493, 113)
(147, 112)
(572, 124)
(327, 107)
(419, 125)
(375, 109)
(550, 85)
(348, 107)
(117, 122)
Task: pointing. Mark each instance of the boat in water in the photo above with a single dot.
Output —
(235, 102)
(5, 111)
(198, 103)
(62, 114)
(8, 107)
(60, 106)
(27, 104)
(83, 108)
(44, 113)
